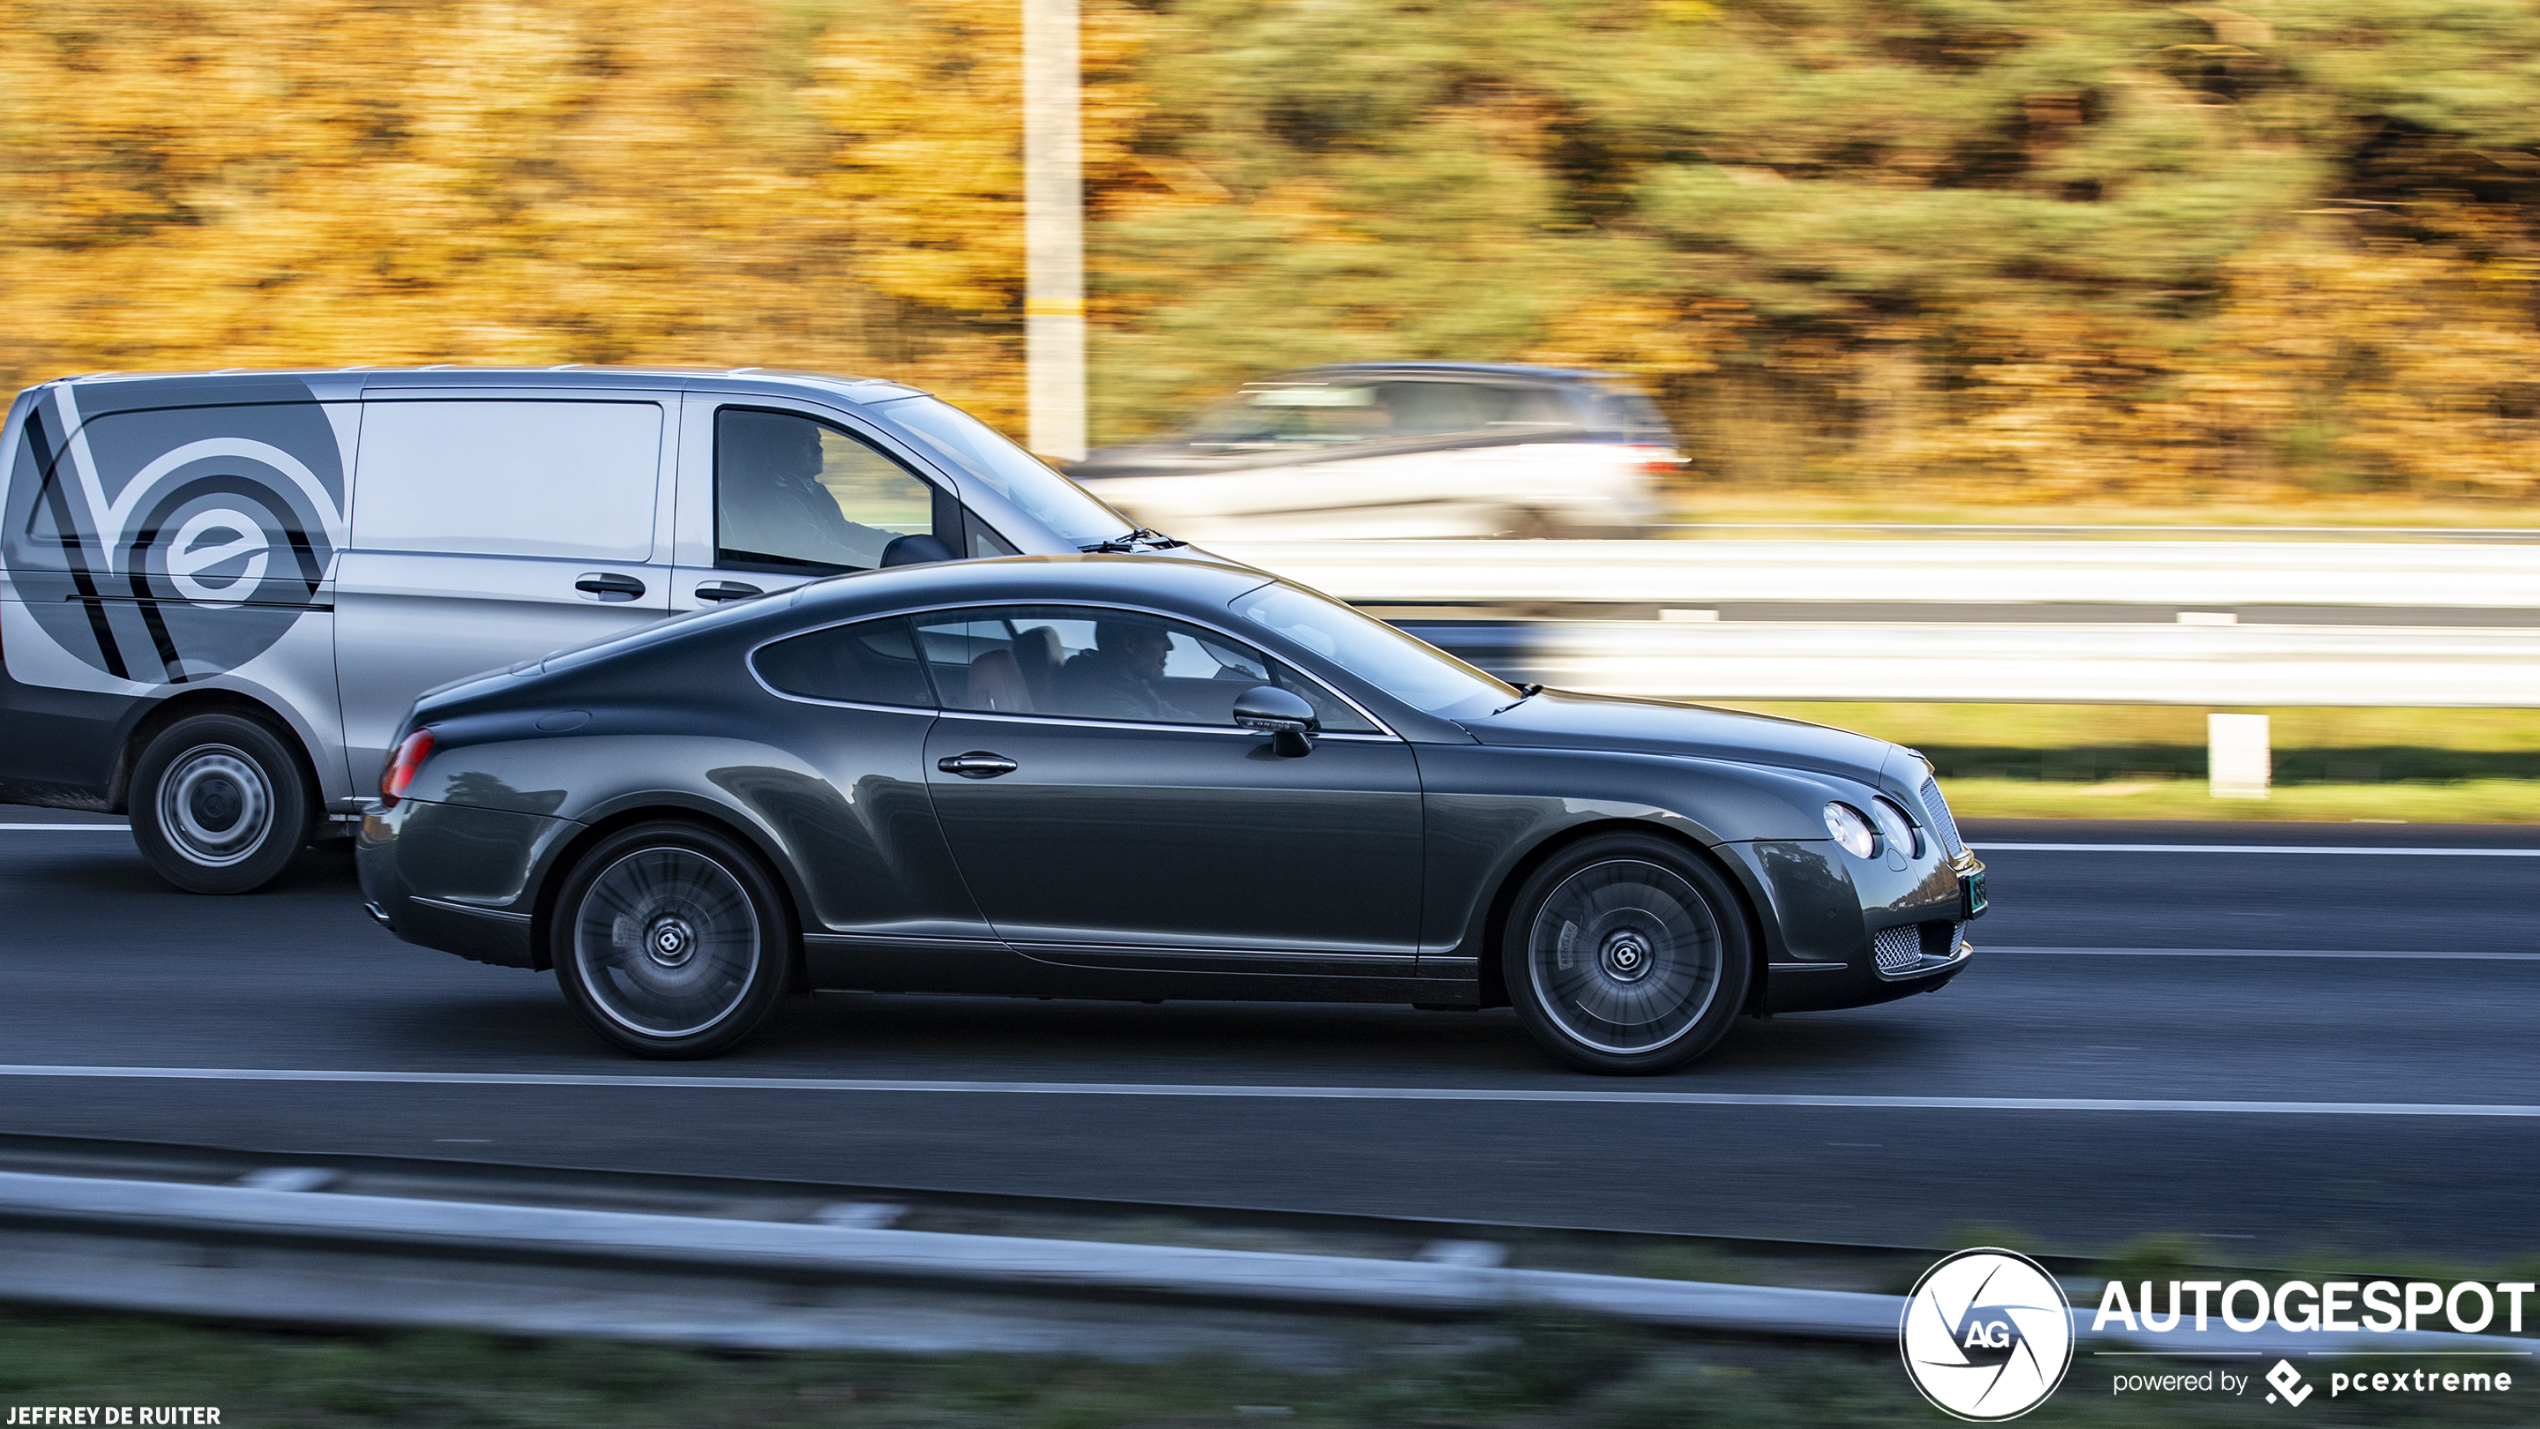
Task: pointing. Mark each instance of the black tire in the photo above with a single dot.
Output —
(1527, 523)
(219, 804)
(671, 940)
(1627, 954)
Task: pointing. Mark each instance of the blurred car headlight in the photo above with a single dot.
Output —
(1851, 830)
(1898, 827)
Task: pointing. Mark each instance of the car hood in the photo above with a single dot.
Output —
(1558, 720)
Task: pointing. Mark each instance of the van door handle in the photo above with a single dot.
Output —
(727, 590)
(977, 764)
(608, 585)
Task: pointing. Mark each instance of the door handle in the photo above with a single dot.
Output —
(727, 590)
(977, 764)
(608, 585)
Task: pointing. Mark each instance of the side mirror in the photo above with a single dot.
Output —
(1284, 714)
(918, 549)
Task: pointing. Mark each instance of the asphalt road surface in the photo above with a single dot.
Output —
(2289, 1052)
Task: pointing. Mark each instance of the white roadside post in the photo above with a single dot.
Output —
(2238, 764)
(1053, 231)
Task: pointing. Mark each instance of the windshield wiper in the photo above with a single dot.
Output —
(1524, 693)
(1121, 545)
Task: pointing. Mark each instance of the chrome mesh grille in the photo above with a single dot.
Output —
(1936, 809)
(1940, 940)
(1897, 949)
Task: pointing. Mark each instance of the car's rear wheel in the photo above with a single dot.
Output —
(671, 940)
(1528, 523)
(219, 804)
(1627, 954)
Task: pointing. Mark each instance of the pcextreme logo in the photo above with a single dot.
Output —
(1986, 1335)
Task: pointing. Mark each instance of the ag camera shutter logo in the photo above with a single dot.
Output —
(1986, 1335)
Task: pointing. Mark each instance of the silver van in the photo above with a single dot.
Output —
(220, 592)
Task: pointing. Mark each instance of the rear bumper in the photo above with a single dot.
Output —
(457, 879)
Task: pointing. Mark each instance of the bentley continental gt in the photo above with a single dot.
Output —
(1125, 776)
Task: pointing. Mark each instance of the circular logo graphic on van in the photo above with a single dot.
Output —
(1986, 1335)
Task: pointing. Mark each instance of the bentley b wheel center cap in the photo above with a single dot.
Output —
(1625, 956)
(670, 941)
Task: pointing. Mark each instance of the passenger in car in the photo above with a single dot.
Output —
(1116, 678)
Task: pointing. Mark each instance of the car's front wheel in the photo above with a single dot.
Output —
(219, 804)
(671, 940)
(1626, 953)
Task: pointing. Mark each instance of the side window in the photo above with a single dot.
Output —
(568, 479)
(1437, 409)
(873, 663)
(791, 493)
(1104, 664)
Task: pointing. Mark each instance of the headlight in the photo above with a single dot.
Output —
(1898, 828)
(1851, 830)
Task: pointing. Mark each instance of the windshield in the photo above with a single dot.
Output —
(974, 447)
(1419, 675)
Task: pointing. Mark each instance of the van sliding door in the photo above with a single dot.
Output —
(487, 530)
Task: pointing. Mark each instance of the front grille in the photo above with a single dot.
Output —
(1936, 809)
(1940, 940)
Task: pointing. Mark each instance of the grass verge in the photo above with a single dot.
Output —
(1543, 1373)
(2470, 801)
(1906, 505)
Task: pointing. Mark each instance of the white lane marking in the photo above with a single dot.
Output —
(91, 828)
(2384, 850)
(1278, 1093)
(2421, 954)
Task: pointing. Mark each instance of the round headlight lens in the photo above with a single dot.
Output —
(1851, 830)
(1898, 828)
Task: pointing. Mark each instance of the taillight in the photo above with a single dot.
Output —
(1657, 461)
(402, 765)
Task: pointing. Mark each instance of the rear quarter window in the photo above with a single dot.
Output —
(870, 663)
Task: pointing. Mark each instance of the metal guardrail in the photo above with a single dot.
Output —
(1709, 573)
(2238, 657)
(280, 1248)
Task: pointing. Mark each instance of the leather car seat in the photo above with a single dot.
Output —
(1039, 654)
(996, 683)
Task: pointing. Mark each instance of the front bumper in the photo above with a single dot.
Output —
(1854, 932)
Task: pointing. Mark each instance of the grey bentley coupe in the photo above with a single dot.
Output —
(1145, 777)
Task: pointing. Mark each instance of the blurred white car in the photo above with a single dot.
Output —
(1400, 450)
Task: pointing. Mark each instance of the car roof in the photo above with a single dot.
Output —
(344, 383)
(1141, 578)
(1521, 370)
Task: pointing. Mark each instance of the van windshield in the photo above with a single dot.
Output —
(974, 448)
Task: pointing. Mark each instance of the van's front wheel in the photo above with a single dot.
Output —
(219, 804)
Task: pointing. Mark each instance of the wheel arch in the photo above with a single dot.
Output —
(1494, 984)
(185, 705)
(559, 864)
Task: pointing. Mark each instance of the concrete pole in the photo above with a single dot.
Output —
(1053, 231)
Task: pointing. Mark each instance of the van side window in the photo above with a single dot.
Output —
(791, 493)
(499, 478)
(873, 663)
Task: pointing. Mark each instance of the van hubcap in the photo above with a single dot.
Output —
(215, 807)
